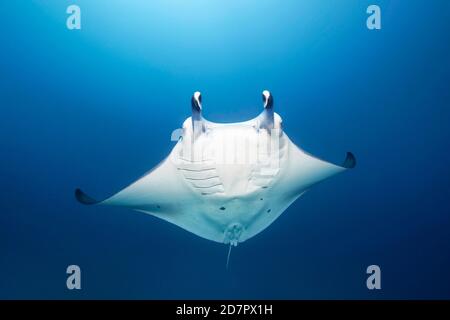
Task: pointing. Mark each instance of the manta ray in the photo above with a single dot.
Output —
(226, 182)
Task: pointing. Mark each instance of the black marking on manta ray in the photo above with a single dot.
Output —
(222, 208)
(350, 161)
(84, 198)
(268, 210)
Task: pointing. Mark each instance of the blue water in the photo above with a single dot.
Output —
(94, 108)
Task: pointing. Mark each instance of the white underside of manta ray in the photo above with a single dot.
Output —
(226, 182)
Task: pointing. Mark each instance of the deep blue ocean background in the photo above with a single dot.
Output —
(94, 108)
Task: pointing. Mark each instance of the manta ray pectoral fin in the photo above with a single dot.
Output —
(305, 170)
(84, 198)
(350, 161)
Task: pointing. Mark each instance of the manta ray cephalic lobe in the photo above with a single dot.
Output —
(226, 182)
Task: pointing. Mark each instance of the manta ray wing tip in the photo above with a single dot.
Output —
(350, 161)
(84, 198)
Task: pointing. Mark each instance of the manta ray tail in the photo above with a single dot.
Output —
(84, 198)
(229, 253)
(350, 161)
